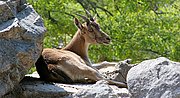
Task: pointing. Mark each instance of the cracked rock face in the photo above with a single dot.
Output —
(21, 35)
(156, 78)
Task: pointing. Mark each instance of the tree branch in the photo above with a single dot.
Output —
(93, 7)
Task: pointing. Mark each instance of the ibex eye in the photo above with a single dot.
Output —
(90, 29)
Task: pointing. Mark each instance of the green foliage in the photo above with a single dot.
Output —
(140, 29)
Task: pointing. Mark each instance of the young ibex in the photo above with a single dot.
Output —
(71, 64)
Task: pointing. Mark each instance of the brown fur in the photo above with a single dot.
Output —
(71, 64)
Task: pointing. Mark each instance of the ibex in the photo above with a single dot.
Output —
(71, 63)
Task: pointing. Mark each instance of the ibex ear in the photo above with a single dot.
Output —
(78, 24)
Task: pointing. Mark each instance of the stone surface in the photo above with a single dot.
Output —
(115, 70)
(33, 88)
(156, 78)
(5, 12)
(122, 69)
(21, 35)
(101, 90)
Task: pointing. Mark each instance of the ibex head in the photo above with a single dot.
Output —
(91, 31)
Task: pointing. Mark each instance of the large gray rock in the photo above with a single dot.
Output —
(31, 87)
(21, 35)
(156, 78)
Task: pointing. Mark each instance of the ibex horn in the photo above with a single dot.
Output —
(89, 14)
(84, 17)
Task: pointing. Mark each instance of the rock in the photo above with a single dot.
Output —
(115, 70)
(5, 12)
(16, 5)
(21, 35)
(156, 78)
(101, 90)
(33, 88)
(30, 88)
(122, 69)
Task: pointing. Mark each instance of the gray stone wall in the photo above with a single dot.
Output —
(21, 35)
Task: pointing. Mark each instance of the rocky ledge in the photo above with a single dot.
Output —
(32, 87)
(21, 36)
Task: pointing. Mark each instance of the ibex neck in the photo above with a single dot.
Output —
(79, 46)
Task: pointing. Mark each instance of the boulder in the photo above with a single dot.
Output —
(32, 87)
(21, 35)
(115, 70)
(156, 78)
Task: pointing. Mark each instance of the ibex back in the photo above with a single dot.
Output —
(71, 64)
